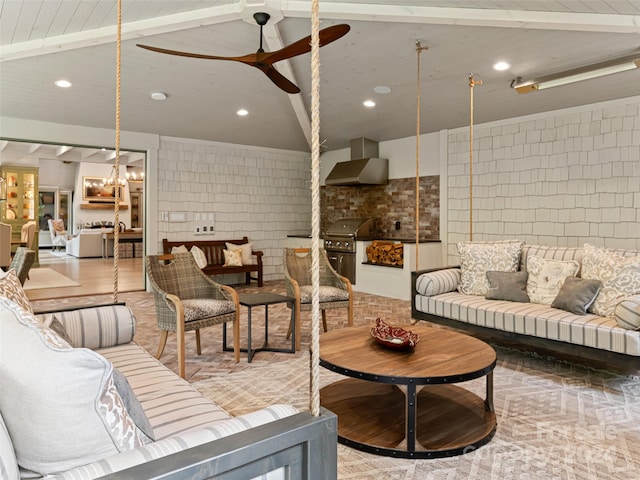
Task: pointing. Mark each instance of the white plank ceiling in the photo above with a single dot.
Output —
(44, 40)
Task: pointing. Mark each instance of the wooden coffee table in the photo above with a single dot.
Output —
(402, 403)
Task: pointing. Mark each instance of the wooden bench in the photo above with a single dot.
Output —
(213, 250)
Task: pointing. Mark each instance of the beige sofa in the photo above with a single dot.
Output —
(66, 413)
(88, 243)
(608, 332)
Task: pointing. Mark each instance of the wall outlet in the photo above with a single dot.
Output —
(398, 225)
(197, 231)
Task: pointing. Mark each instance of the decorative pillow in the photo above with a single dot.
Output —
(246, 249)
(511, 286)
(64, 410)
(11, 288)
(478, 258)
(50, 321)
(547, 276)
(8, 465)
(627, 313)
(577, 294)
(58, 225)
(325, 294)
(180, 249)
(232, 258)
(199, 256)
(435, 283)
(132, 404)
(619, 274)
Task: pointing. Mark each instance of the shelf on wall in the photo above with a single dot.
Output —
(101, 206)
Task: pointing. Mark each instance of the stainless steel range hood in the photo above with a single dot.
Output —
(364, 168)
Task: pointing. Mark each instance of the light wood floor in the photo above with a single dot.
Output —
(95, 276)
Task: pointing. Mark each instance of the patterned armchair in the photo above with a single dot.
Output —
(186, 299)
(335, 290)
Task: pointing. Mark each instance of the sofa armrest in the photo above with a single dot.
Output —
(168, 452)
(627, 313)
(435, 282)
(97, 327)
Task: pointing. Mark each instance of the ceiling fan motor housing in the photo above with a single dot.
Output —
(261, 18)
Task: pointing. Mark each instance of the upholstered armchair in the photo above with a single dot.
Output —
(5, 245)
(28, 234)
(58, 234)
(335, 290)
(186, 299)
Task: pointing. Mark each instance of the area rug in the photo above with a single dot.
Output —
(555, 421)
(45, 277)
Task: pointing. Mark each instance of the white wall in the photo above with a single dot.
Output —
(255, 192)
(401, 154)
(566, 177)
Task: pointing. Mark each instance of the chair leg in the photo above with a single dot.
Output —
(163, 341)
(298, 322)
(350, 314)
(198, 349)
(324, 320)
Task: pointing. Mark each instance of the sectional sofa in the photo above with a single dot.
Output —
(80, 400)
(582, 303)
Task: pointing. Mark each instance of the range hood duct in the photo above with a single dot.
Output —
(364, 168)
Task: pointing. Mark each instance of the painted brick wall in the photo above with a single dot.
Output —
(562, 178)
(387, 204)
(259, 193)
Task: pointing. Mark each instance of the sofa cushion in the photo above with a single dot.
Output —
(627, 313)
(550, 253)
(245, 250)
(63, 410)
(478, 258)
(440, 281)
(547, 276)
(171, 404)
(326, 294)
(199, 308)
(511, 286)
(533, 319)
(232, 258)
(577, 294)
(11, 288)
(619, 272)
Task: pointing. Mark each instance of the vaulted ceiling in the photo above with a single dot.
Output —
(45, 40)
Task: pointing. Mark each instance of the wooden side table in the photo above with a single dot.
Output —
(251, 300)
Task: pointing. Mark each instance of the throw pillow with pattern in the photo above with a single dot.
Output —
(232, 258)
(547, 276)
(478, 258)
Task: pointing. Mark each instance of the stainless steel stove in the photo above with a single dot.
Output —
(340, 243)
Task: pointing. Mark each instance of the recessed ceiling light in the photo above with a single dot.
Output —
(62, 83)
(369, 103)
(159, 96)
(500, 66)
(382, 89)
(242, 112)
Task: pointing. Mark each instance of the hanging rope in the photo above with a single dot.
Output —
(314, 402)
(419, 49)
(116, 205)
(472, 83)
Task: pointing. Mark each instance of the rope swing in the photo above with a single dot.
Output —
(419, 49)
(472, 83)
(116, 204)
(314, 402)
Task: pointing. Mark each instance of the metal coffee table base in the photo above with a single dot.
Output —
(251, 300)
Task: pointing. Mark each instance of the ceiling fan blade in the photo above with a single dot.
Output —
(280, 80)
(244, 59)
(327, 35)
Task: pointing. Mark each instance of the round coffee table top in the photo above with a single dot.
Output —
(440, 356)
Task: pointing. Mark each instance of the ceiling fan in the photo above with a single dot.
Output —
(264, 60)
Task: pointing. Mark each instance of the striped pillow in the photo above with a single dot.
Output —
(440, 281)
(627, 313)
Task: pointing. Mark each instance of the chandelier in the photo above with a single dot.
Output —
(113, 179)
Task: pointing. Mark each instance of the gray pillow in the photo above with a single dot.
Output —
(577, 294)
(511, 286)
(132, 404)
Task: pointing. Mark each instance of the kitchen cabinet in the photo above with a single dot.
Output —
(22, 199)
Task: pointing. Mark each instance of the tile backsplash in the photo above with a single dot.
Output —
(388, 204)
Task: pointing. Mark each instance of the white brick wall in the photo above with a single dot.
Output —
(259, 193)
(561, 178)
